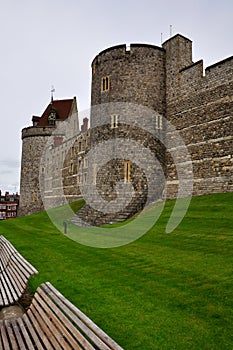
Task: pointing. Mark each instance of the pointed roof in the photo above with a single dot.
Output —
(62, 108)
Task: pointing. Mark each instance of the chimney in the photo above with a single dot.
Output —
(57, 140)
(84, 127)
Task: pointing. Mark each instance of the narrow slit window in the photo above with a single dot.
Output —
(106, 83)
(158, 122)
(114, 121)
(85, 178)
(94, 174)
(71, 167)
(85, 163)
(127, 171)
(105, 86)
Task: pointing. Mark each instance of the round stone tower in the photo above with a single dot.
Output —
(133, 74)
(33, 142)
(127, 105)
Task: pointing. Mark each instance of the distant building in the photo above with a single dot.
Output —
(8, 205)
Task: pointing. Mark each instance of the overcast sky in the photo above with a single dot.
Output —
(53, 42)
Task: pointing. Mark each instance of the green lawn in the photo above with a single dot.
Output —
(163, 291)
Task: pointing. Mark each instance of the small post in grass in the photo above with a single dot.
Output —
(65, 227)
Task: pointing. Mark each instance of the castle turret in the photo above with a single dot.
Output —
(178, 56)
(128, 102)
(34, 140)
(132, 74)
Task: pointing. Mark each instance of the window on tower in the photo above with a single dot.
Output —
(105, 84)
(127, 171)
(158, 122)
(94, 173)
(85, 178)
(71, 167)
(114, 121)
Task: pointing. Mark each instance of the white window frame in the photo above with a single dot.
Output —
(114, 121)
(159, 122)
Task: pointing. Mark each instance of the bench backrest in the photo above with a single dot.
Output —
(15, 272)
(53, 322)
(6, 250)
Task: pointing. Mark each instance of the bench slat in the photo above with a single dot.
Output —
(63, 322)
(46, 325)
(10, 284)
(31, 331)
(28, 342)
(7, 246)
(16, 262)
(74, 319)
(15, 272)
(6, 296)
(17, 334)
(5, 342)
(42, 339)
(91, 326)
(4, 260)
(57, 324)
(11, 335)
(7, 284)
(59, 332)
(16, 278)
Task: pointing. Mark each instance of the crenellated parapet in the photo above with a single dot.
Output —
(137, 90)
(132, 74)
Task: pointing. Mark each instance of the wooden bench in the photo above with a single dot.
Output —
(15, 272)
(53, 322)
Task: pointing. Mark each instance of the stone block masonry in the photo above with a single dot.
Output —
(200, 106)
(34, 141)
(134, 91)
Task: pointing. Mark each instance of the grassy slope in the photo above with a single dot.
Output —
(164, 291)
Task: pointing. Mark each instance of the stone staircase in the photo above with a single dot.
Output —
(87, 216)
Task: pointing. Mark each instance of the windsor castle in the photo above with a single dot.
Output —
(152, 102)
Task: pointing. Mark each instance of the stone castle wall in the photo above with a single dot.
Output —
(64, 169)
(200, 106)
(143, 86)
